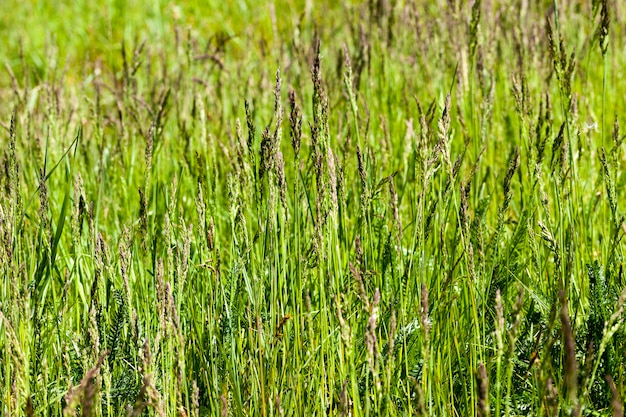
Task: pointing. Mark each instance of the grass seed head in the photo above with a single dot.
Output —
(605, 21)
(295, 121)
(483, 391)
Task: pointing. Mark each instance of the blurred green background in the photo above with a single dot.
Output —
(83, 30)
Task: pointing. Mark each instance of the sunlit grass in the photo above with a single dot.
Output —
(299, 209)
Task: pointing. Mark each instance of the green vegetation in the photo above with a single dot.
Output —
(245, 208)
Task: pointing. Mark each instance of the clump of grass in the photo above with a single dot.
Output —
(334, 210)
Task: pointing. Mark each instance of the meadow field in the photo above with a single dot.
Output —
(299, 208)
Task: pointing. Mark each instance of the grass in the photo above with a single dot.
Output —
(393, 208)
